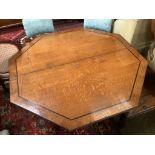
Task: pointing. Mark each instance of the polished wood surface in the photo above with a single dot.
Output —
(9, 22)
(77, 77)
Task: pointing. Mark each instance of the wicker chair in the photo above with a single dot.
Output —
(100, 24)
(7, 50)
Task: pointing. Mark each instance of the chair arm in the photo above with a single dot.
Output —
(24, 40)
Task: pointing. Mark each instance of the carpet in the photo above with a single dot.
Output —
(13, 34)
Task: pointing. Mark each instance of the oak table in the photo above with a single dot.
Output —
(77, 77)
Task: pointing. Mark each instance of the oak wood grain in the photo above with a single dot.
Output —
(77, 77)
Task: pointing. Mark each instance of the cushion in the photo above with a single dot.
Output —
(37, 26)
(100, 24)
(126, 28)
(7, 50)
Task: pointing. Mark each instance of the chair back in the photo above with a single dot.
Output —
(34, 27)
(7, 50)
(100, 24)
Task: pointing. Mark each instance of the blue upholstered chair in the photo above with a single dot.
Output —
(100, 24)
(35, 27)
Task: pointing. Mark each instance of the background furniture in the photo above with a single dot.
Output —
(4, 23)
(34, 27)
(99, 24)
(136, 32)
(7, 50)
(15, 33)
(80, 78)
(147, 100)
(153, 26)
(151, 51)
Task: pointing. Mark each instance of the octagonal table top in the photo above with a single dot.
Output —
(77, 77)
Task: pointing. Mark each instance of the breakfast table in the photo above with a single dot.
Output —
(77, 77)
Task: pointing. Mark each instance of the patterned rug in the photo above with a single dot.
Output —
(22, 122)
(13, 34)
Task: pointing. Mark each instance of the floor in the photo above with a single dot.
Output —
(142, 119)
(143, 124)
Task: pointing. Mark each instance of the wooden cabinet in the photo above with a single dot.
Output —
(9, 22)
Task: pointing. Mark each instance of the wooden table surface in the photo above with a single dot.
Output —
(77, 77)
